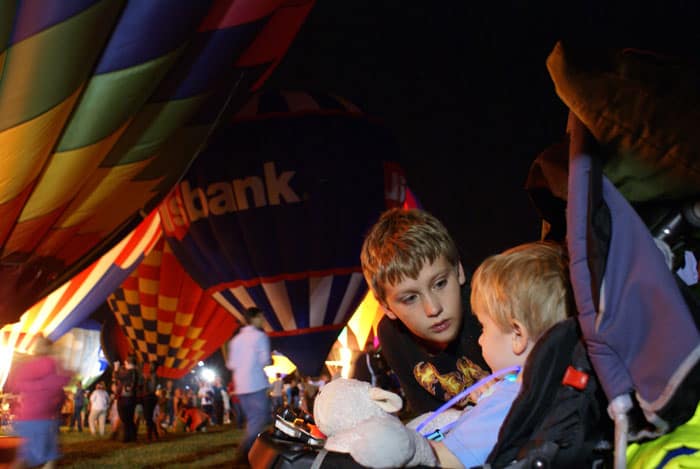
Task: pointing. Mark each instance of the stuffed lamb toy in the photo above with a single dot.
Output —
(357, 419)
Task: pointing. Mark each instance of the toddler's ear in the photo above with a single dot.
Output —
(521, 338)
(387, 400)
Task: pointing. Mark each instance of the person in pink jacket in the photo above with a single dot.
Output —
(39, 382)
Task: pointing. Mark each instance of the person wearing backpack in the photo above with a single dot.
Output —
(129, 380)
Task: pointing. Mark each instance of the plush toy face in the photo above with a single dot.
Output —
(343, 403)
(357, 420)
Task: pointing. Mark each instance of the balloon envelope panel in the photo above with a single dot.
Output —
(167, 317)
(103, 105)
(73, 302)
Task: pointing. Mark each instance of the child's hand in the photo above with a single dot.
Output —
(483, 390)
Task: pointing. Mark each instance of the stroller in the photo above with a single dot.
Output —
(639, 324)
(637, 312)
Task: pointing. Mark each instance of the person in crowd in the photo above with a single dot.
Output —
(292, 392)
(169, 395)
(39, 382)
(276, 395)
(190, 398)
(194, 419)
(160, 413)
(67, 408)
(413, 268)
(76, 420)
(516, 296)
(205, 394)
(218, 402)
(138, 415)
(226, 402)
(179, 401)
(322, 380)
(114, 422)
(150, 400)
(85, 412)
(248, 354)
(310, 391)
(301, 387)
(99, 405)
(129, 380)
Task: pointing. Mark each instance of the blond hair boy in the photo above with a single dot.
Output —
(516, 296)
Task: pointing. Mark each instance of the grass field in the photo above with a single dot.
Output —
(212, 449)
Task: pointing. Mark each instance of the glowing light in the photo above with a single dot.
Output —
(280, 364)
(6, 352)
(365, 319)
(343, 364)
(208, 375)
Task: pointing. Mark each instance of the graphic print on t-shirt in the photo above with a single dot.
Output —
(445, 386)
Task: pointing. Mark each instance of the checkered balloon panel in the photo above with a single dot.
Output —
(167, 317)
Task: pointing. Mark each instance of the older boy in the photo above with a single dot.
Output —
(516, 295)
(412, 266)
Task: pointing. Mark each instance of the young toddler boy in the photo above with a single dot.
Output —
(516, 296)
(412, 266)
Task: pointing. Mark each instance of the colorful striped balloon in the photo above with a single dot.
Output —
(103, 105)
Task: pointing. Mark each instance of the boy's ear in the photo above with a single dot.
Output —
(387, 311)
(521, 338)
(460, 274)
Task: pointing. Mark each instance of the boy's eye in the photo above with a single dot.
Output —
(408, 299)
(441, 283)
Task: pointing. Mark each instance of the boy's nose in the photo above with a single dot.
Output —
(432, 306)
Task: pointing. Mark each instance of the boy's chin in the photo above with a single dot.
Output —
(441, 339)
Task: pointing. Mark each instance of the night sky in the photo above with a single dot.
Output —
(467, 95)
(464, 85)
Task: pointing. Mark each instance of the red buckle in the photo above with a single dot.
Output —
(575, 378)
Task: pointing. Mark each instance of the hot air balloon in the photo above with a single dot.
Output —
(273, 214)
(103, 104)
(167, 317)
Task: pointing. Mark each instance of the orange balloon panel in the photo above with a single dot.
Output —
(167, 317)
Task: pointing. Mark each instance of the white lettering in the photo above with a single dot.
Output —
(253, 183)
(195, 210)
(220, 198)
(279, 186)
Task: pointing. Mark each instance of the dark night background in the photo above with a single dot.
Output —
(465, 90)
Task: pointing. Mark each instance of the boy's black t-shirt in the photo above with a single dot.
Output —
(428, 381)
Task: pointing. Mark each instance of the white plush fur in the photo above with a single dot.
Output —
(357, 419)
